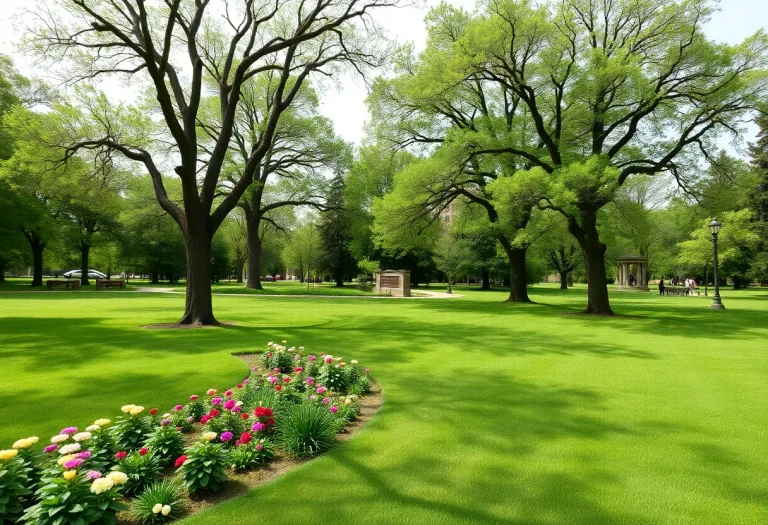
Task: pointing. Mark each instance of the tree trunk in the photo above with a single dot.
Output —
(518, 285)
(737, 283)
(240, 268)
(154, 276)
(339, 278)
(253, 280)
(85, 252)
(594, 254)
(199, 305)
(563, 280)
(37, 260)
(486, 279)
(2, 270)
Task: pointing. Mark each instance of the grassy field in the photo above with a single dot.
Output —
(493, 412)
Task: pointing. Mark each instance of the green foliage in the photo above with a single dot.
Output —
(141, 469)
(129, 432)
(306, 430)
(251, 455)
(205, 467)
(74, 503)
(334, 377)
(165, 443)
(14, 489)
(166, 493)
(336, 235)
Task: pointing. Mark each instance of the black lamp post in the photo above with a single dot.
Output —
(714, 229)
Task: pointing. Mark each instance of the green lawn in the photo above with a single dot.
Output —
(493, 412)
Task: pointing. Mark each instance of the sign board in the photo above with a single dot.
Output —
(390, 281)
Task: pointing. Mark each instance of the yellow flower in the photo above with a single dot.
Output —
(157, 508)
(127, 408)
(70, 475)
(64, 459)
(209, 436)
(135, 411)
(93, 428)
(26, 442)
(101, 485)
(117, 477)
(347, 401)
(102, 422)
(8, 454)
(166, 510)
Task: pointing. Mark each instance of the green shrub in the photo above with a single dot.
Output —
(72, 501)
(361, 386)
(14, 483)
(334, 377)
(167, 494)
(282, 359)
(226, 421)
(205, 467)
(166, 444)
(251, 455)
(142, 469)
(129, 432)
(306, 430)
(196, 408)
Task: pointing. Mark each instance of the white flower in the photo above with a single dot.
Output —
(82, 436)
(354, 361)
(60, 438)
(93, 428)
(166, 510)
(347, 401)
(70, 449)
(167, 415)
(101, 485)
(117, 477)
(157, 508)
(270, 343)
(239, 404)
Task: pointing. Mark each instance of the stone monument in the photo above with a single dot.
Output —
(633, 273)
(396, 283)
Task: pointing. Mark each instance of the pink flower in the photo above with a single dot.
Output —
(259, 447)
(367, 370)
(311, 358)
(298, 369)
(258, 427)
(73, 463)
(216, 401)
(226, 436)
(165, 422)
(178, 408)
(93, 474)
(85, 454)
(313, 397)
(229, 404)
(272, 379)
(51, 448)
(121, 455)
(326, 400)
(228, 393)
(328, 359)
(246, 381)
(333, 409)
(236, 409)
(320, 389)
(276, 370)
(193, 397)
(143, 451)
(69, 430)
(310, 380)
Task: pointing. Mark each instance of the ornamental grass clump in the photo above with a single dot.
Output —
(159, 502)
(142, 469)
(165, 443)
(204, 465)
(306, 430)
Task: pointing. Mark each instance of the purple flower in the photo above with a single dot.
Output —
(326, 400)
(73, 463)
(51, 448)
(165, 422)
(216, 401)
(178, 408)
(226, 436)
(333, 409)
(68, 430)
(85, 454)
(310, 380)
(93, 474)
(258, 427)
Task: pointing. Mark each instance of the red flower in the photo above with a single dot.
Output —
(240, 385)
(180, 461)
(286, 379)
(279, 388)
(205, 419)
(244, 415)
(271, 421)
(245, 438)
(214, 412)
(143, 451)
(121, 455)
(153, 411)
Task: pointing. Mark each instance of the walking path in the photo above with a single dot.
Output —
(422, 294)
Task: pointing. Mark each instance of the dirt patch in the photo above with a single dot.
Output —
(241, 482)
(177, 326)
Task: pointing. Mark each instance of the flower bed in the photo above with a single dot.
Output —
(291, 407)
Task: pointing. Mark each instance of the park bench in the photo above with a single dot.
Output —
(50, 284)
(110, 283)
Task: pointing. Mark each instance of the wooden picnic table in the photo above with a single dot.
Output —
(68, 284)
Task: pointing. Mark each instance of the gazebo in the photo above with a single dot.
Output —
(633, 273)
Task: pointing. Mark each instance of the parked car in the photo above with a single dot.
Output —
(92, 274)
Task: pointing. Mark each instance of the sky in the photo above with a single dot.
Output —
(345, 105)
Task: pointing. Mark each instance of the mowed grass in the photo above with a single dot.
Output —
(493, 412)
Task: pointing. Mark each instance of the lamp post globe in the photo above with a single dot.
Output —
(714, 229)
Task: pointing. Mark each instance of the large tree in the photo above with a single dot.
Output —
(172, 46)
(601, 92)
(336, 235)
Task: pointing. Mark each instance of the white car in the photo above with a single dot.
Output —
(76, 274)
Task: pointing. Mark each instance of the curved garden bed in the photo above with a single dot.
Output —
(153, 467)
